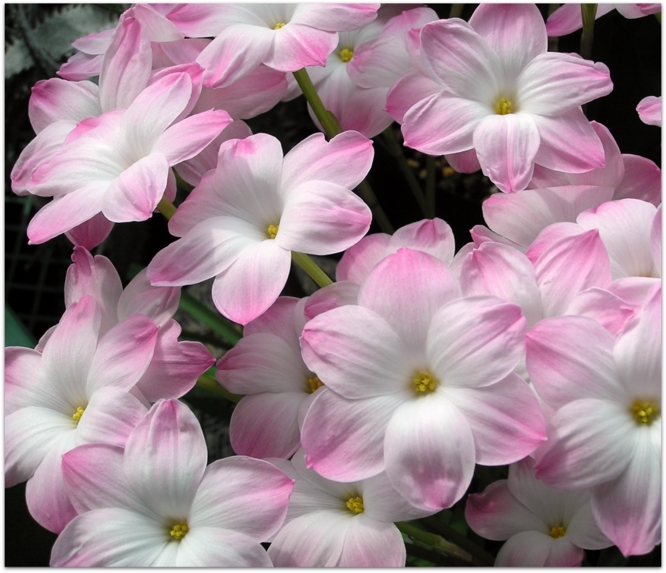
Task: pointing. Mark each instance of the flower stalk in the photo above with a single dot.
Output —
(211, 385)
(438, 543)
(312, 269)
(589, 11)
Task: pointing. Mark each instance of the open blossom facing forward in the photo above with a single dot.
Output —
(157, 504)
(242, 222)
(513, 103)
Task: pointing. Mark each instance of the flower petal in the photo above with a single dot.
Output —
(214, 547)
(525, 549)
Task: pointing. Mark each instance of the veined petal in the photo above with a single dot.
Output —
(296, 46)
(642, 180)
(655, 240)
(382, 503)
(140, 297)
(109, 537)
(165, 458)
(506, 146)
(553, 83)
(335, 17)
(215, 547)
(410, 89)
(340, 293)
(369, 543)
(243, 494)
(90, 233)
(26, 383)
(568, 18)
(357, 261)
(429, 452)
(525, 549)
(56, 99)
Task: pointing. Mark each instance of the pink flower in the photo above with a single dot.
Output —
(568, 18)
(157, 504)
(418, 382)
(649, 110)
(244, 219)
(75, 391)
(332, 524)
(266, 367)
(606, 431)
(285, 37)
(544, 527)
(504, 96)
(119, 163)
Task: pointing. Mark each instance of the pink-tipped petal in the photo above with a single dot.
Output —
(649, 110)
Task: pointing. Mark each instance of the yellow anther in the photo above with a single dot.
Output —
(645, 411)
(272, 230)
(179, 530)
(355, 505)
(557, 531)
(314, 384)
(346, 55)
(76, 416)
(503, 106)
(279, 25)
(424, 382)
(448, 171)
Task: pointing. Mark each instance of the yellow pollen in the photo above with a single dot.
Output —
(557, 532)
(355, 505)
(76, 416)
(179, 530)
(644, 412)
(503, 106)
(346, 55)
(279, 25)
(424, 382)
(314, 384)
(272, 230)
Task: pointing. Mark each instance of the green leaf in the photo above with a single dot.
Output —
(16, 334)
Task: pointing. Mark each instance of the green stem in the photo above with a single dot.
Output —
(166, 207)
(553, 41)
(588, 11)
(395, 149)
(182, 183)
(658, 16)
(332, 128)
(456, 10)
(435, 541)
(225, 328)
(210, 384)
(430, 187)
(312, 269)
(446, 531)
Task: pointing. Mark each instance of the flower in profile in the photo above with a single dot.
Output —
(544, 527)
(505, 97)
(157, 504)
(242, 222)
(333, 524)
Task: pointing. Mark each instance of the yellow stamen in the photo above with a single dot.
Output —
(179, 530)
(314, 384)
(645, 411)
(279, 25)
(272, 230)
(557, 531)
(424, 382)
(355, 505)
(346, 55)
(503, 106)
(76, 416)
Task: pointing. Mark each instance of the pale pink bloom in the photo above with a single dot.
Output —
(119, 163)
(542, 526)
(504, 96)
(157, 504)
(432, 236)
(75, 391)
(332, 524)
(278, 388)
(568, 18)
(649, 110)
(285, 37)
(630, 176)
(356, 104)
(606, 431)
(242, 222)
(175, 366)
(418, 382)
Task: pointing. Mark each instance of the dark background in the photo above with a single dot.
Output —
(35, 274)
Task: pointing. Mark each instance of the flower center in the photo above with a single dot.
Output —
(645, 411)
(279, 25)
(346, 55)
(355, 505)
(178, 531)
(503, 106)
(76, 416)
(557, 531)
(314, 384)
(424, 382)
(272, 231)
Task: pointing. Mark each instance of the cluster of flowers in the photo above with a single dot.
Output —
(538, 344)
